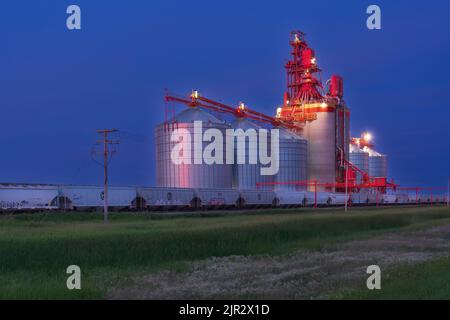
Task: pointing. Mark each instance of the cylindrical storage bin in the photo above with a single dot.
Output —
(378, 166)
(247, 176)
(293, 161)
(189, 170)
(321, 135)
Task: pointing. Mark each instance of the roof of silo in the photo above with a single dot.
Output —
(288, 135)
(372, 152)
(244, 124)
(356, 149)
(195, 114)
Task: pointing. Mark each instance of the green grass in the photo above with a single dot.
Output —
(35, 250)
(425, 281)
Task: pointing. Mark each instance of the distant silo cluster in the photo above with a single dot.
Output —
(364, 156)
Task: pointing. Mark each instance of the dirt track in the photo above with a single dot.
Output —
(303, 275)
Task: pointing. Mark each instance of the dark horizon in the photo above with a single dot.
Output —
(59, 86)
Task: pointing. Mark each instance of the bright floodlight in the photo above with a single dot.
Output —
(194, 94)
(278, 112)
(367, 136)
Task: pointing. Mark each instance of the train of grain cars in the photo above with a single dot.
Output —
(26, 198)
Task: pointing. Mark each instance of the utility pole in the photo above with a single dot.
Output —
(106, 153)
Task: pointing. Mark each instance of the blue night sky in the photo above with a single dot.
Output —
(57, 86)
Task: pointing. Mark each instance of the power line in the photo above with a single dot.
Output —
(135, 137)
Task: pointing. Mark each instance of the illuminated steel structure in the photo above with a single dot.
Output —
(324, 117)
(196, 100)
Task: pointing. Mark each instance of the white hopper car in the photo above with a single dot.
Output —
(28, 197)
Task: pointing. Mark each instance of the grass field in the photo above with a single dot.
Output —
(35, 250)
(429, 280)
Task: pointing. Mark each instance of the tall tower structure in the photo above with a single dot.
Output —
(321, 115)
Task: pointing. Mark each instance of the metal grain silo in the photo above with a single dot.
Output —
(326, 135)
(293, 161)
(361, 160)
(321, 135)
(247, 176)
(190, 173)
